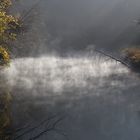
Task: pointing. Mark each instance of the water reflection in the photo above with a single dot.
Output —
(100, 98)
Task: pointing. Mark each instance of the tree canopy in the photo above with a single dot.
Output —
(132, 57)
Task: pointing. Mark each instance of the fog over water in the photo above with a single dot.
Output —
(61, 73)
(99, 97)
(62, 26)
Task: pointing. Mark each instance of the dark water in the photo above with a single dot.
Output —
(99, 97)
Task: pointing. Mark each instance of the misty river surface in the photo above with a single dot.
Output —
(53, 74)
(100, 97)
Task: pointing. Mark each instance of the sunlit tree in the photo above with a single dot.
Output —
(4, 4)
(9, 28)
(132, 57)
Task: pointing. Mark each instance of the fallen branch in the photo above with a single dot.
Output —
(114, 58)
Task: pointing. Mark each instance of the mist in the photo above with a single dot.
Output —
(62, 27)
(74, 25)
(55, 69)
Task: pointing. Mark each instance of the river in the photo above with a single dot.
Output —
(99, 97)
(57, 73)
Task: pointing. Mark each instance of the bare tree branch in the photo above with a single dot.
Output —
(114, 58)
(23, 18)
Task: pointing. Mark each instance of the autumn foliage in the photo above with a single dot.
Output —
(132, 57)
(9, 27)
(4, 4)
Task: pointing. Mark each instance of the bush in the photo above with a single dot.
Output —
(9, 28)
(4, 56)
(132, 55)
(4, 4)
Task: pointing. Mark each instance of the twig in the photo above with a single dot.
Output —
(23, 18)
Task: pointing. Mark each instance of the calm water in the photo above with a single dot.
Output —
(99, 97)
